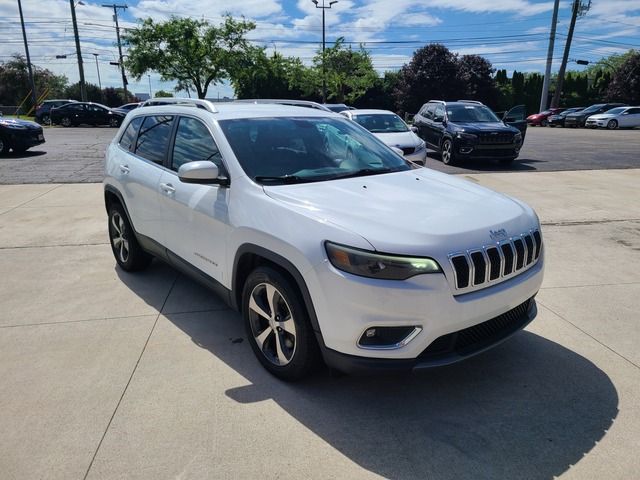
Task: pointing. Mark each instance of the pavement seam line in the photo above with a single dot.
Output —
(588, 335)
(591, 285)
(135, 367)
(22, 247)
(569, 223)
(31, 199)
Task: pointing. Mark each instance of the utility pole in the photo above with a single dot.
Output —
(34, 97)
(115, 19)
(547, 73)
(83, 87)
(324, 73)
(98, 70)
(579, 9)
(149, 77)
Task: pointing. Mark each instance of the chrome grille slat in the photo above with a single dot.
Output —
(493, 263)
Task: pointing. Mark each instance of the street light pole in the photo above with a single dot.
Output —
(149, 77)
(98, 70)
(544, 98)
(115, 19)
(34, 97)
(324, 76)
(83, 87)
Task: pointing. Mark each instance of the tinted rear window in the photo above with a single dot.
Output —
(153, 138)
(129, 136)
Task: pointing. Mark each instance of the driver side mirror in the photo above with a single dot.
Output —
(202, 172)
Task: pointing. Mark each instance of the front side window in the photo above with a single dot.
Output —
(153, 138)
(307, 149)
(129, 136)
(193, 143)
(381, 123)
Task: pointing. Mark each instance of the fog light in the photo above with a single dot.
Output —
(388, 338)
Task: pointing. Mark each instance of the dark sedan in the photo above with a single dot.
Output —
(558, 120)
(86, 113)
(578, 119)
(19, 135)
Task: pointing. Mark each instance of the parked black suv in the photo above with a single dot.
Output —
(43, 110)
(578, 119)
(469, 129)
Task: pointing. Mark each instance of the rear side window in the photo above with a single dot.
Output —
(194, 143)
(127, 141)
(153, 138)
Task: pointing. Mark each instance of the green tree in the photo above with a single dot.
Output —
(194, 53)
(476, 73)
(625, 84)
(14, 82)
(94, 94)
(611, 63)
(163, 94)
(349, 73)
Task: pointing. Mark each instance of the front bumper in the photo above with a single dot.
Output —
(26, 138)
(447, 349)
(573, 122)
(596, 123)
(487, 151)
(347, 305)
(419, 157)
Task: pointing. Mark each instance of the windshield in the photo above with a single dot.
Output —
(615, 111)
(593, 108)
(470, 113)
(381, 123)
(307, 149)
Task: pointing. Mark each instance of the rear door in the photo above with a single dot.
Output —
(196, 217)
(143, 170)
(517, 117)
(630, 118)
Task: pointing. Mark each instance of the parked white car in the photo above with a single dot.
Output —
(619, 117)
(392, 130)
(366, 263)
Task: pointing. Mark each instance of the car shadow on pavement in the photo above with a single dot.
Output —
(529, 408)
(27, 154)
(518, 165)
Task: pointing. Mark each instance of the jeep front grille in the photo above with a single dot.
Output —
(495, 138)
(490, 264)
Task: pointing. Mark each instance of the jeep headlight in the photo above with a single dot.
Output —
(467, 136)
(365, 263)
(421, 146)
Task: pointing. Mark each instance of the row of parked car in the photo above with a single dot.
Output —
(600, 115)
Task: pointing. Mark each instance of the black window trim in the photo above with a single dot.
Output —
(169, 159)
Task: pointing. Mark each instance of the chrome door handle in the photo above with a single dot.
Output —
(167, 188)
(124, 169)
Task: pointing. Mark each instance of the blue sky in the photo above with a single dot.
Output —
(512, 34)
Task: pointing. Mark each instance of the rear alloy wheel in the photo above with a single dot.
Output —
(447, 152)
(612, 124)
(114, 122)
(128, 253)
(278, 326)
(45, 119)
(66, 122)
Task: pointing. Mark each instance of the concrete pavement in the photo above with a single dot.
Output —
(111, 375)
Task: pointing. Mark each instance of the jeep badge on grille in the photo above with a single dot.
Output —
(498, 235)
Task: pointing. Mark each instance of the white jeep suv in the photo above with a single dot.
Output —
(367, 263)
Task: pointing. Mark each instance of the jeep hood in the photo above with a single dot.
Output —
(480, 127)
(411, 212)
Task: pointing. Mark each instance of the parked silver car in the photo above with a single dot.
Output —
(619, 117)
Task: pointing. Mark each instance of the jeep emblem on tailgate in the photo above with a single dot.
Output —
(498, 235)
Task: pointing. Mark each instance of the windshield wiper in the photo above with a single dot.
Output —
(363, 172)
(281, 178)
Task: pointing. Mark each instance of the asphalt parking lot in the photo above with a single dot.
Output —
(109, 375)
(76, 155)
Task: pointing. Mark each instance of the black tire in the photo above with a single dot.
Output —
(45, 119)
(612, 124)
(299, 350)
(446, 151)
(4, 146)
(127, 252)
(114, 122)
(66, 122)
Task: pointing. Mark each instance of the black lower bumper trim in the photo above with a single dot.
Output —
(450, 348)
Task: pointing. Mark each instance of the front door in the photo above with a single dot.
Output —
(196, 217)
(517, 117)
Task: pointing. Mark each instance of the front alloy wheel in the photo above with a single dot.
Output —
(277, 324)
(124, 244)
(612, 124)
(4, 146)
(114, 122)
(66, 122)
(447, 152)
(272, 324)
